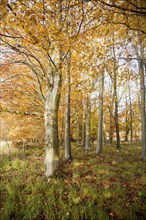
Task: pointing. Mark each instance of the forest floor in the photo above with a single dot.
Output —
(90, 187)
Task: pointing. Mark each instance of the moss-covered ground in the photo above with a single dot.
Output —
(90, 187)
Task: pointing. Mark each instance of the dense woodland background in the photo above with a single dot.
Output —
(73, 90)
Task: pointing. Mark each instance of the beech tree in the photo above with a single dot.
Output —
(100, 116)
(142, 69)
(88, 124)
(116, 116)
(83, 126)
(67, 113)
(50, 74)
(22, 28)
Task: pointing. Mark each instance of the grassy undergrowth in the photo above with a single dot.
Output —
(112, 186)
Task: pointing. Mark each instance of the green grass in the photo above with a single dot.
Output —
(110, 186)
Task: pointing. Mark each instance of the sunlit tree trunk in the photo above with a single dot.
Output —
(143, 106)
(67, 113)
(78, 129)
(61, 132)
(111, 117)
(88, 113)
(142, 70)
(116, 101)
(111, 130)
(116, 118)
(131, 115)
(100, 117)
(52, 106)
(83, 128)
(126, 123)
(104, 137)
(51, 127)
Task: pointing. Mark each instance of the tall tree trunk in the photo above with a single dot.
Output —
(83, 128)
(116, 100)
(142, 70)
(52, 107)
(51, 127)
(87, 142)
(127, 123)
(143, 106)
(111, 130)
(67, 113)
(100, 117)
(126, 129)
(61, 132)
(104, 137)
(78, 128)
(117, 120)
(111, 115)
(131, 115)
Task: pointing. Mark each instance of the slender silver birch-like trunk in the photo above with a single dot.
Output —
(67, 112)
(111, 115)
(143, 106)
(131, 115)
(88, 114)
(83, 127)
(117, 119)
(111, 130)
(78, 129)
(142, 73)
(127, 129)
(116, 99)
(61, 132)
(100, 117)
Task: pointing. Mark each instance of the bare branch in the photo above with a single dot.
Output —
(112, 5)
(28, 64)
(10, 36)
(52, 61)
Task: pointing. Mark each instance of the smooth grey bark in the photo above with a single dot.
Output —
(61, 137)
(51, 126)
(116, 115)
(116, 118)
(83, 127)
(104, 137)
(88, 114)
(143, 106)
(68, 155)
(111, 130)
(142, 73)
(78, 129)
(100, 117)
(131, 115)
(52, 106)
(127, 128)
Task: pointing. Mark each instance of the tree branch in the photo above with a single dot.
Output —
(9, 36)
(143, 13)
